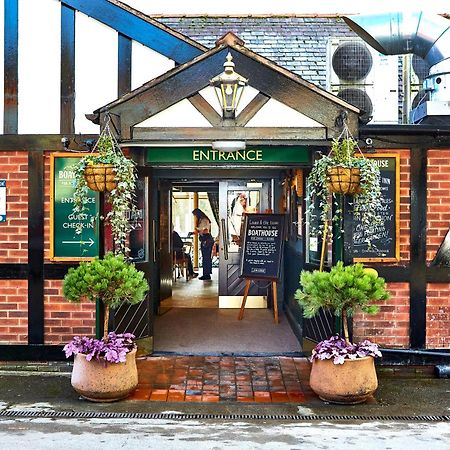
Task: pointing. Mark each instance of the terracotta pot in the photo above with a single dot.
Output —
(349, 383)
(99, 382)
(343, 180)
(100, 177)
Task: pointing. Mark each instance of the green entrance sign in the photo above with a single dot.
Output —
(208, 156)
(65, 244)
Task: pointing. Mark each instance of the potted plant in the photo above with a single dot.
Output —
(104, 369)
(342, 372)
(343, 172)
(106, 169)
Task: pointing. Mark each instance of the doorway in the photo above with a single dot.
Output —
(201, 316)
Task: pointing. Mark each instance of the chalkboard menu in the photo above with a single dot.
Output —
(386, 244)
(263, 246)
(65, 244)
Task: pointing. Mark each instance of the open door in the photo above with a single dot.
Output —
(236, 198)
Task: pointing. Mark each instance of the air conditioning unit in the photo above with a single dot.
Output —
(367, 79)
(416, 71)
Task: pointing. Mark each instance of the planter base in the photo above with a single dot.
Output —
(99, 382)
(350, 383)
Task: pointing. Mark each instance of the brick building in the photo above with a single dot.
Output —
(288, 63)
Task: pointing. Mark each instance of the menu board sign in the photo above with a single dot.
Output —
(263, 246)
(385, 241)
(65, 244)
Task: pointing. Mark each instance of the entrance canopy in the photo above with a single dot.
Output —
(272, 85)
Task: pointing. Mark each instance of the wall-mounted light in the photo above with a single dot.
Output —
(228, 146)
(65, 141)
(229, 87)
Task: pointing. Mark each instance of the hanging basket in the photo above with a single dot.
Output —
(342, 180)
(100, 177)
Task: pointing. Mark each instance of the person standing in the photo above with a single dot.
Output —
(203, 229)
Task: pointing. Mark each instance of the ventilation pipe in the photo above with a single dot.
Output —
(424, 35)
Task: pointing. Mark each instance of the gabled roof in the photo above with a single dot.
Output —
(267, 77)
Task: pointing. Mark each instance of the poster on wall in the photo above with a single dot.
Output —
(386, 241)
(65, 244)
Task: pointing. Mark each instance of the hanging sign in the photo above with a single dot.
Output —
(2, 200)
(263, 246)
(386, 242)
(65, 244)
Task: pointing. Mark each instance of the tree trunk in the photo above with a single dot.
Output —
(105, 323)
(345, 325)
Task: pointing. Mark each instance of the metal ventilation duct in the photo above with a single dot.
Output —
(424, 35)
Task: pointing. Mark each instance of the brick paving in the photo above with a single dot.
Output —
(223, 379)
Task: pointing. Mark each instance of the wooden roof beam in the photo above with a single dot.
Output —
(139, 27)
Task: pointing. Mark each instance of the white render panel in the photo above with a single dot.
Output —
(2, 68)
(276, 114)
(147, 64)
(39, 66)
(182, 114)
(95, 69)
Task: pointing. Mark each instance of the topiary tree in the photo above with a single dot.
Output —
(112, 280)
(342, 290)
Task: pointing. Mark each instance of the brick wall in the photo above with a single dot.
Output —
(14, 232)
(404, 204)
(13, 312)
(438, 199)
(62, 319)
(390, 327)
(438, 315)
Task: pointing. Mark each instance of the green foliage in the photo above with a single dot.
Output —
(111, 279)
(343, 289)
(366, 203)
(121, 198)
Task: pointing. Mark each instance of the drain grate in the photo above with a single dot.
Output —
(198, 416)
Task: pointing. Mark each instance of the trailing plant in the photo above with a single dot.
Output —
(367, 199)
(342, 290)
(113, 348)
(121, 198)
(112, 279)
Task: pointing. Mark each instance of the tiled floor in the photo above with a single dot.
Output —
(223, 379)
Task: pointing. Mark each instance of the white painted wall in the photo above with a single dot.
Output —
(182, 114)
(276, 114)
(147, 64)
(95, 69)
(39, 66)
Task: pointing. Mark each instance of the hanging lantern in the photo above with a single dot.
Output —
(229, 87)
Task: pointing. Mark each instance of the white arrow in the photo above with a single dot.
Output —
(91, 242)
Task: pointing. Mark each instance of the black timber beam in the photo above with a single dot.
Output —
(43, 142)
(32, 353)
(418, 245)
(11, 64)
(405, 136)
(67, 101)
(35, 248)
(123, 64)
(139, 27)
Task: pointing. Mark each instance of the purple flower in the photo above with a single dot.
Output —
(114, 349)
(338, 349)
